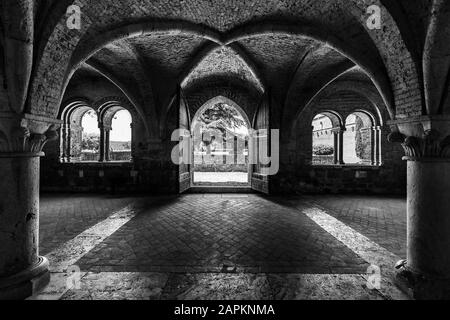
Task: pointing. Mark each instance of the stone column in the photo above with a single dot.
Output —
(65, 143)
(426, 272)
(375, 140)
(133, 142)
(235, 150)
(102, 142)
(338, 145)
(68, 143)
(224, 147)
(22, 270)
(74, 142)
(107, 143)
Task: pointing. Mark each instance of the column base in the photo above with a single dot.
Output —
(422, 287)
(26, 283)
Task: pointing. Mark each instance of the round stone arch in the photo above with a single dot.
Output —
(368, 119)
(108, 106)
(367, 109)
(108, 113)
(369, 137)
(71, 130)
(71, 106)
(328, 103)
(79, 51)
(105, 109)
(45, 102)
(317, 106)
(307, 136)
(375, 70)
(367, 92)
(335, 117)
(77, 114)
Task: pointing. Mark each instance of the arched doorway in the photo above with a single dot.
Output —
(220, 130)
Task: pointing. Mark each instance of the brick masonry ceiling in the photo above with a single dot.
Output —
(152, 46)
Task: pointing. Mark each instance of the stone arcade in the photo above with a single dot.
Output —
(285, 64)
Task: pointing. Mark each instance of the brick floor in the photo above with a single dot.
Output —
(381, 219)
(204, 234)
(64, 216)
(225, 246)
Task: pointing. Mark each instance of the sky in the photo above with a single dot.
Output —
(121, 130)
(327, 122)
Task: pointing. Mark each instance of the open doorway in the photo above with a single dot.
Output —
(220, 144)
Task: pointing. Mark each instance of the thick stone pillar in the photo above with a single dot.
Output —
(426, 273)
(22, 270)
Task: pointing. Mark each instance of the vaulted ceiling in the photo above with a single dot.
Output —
(292, 47)
(151, 66)
(151, 47)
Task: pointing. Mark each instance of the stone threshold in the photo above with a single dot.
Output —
(220, 189)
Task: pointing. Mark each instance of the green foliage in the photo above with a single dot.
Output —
(127, 145)
(221, 117)
(362, 147)
(323, 150)
(91, 141)
(359, 147)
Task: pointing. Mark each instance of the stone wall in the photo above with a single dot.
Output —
(308, 179)
(153, 172)
(298, 174)
(150, 174)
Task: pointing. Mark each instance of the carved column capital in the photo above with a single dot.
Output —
(20, 135)
(423, 139)
(338, 130)
(104, 126)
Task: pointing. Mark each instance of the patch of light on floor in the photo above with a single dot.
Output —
(220, 177)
